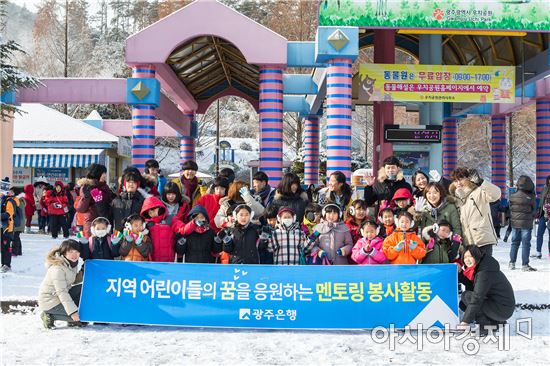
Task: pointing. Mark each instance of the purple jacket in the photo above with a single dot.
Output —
(333, 237)
(377, 255)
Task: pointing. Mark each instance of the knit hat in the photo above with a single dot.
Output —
(286, 209)
(39, 180)
(189, 165)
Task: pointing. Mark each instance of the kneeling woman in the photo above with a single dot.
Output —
(58, 298)
(489, 297)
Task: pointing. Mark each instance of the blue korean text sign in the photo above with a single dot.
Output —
(258, 296)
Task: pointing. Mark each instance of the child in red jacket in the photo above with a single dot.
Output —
(56, 201)
(160, 233)
(30, 206)
(355, 217)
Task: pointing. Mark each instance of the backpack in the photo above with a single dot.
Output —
(18, 213)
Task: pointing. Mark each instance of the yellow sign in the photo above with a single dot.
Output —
(436, 83)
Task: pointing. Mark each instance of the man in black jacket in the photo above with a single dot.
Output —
(390, 179)
(523, 207)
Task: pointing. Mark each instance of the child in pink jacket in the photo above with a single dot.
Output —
(368, 249)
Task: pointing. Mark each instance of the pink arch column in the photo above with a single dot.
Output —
(338, 106)
(187, 143)
(311, 150)
(543, 142)
(450, 145)
(143, 124)
(498, 148)
(271, 123)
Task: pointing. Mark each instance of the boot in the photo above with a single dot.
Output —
(28, 230)
(77, 324)
(528, 268)
(538, 255)
(511, 266)
(47, 320)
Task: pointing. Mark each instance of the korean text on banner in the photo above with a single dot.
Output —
(258, 296)
(436, 83)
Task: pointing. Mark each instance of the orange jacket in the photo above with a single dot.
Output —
(406, 255)
(80, 218)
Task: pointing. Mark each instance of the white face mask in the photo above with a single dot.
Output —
(287, 222)
(100, 233)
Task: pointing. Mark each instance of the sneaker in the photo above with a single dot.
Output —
(47, 320)
(538, 255)
(528, 268)
(511, 265)
(5, 269)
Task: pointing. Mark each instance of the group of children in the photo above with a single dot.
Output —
(168, 229)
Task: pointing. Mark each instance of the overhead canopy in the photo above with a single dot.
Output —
(471, 50)
(56, 158)
(208, 65)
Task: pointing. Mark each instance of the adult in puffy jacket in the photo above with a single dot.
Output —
(30, 206)
(129, 201)
(188, 182)
(95, 196)
(198, 244)
(523, 208)
(160, 233)
(489, 297)
(473, 198)
(57, 201)
(438, 206)
(289, 194)
(390, 179)
(59, 295)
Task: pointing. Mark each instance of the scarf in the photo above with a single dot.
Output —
(264, 193)
(190, 185)
(469, 272)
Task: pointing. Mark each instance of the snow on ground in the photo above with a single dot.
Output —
(141, 345)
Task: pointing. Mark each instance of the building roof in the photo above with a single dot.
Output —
(39, 123)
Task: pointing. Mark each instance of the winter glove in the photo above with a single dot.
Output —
(366, 248)
(227, 244)
(456, 238)
(221, 235)
(116, 237)
(341, 252)
(200, 223)
(314, 236)
(431, 244)
(97, 195)
(182, 243)
(399, 246)
(244, 191)
(413, 245)
(321, 254)
(266, 233)
(81, 237)
(420, 204)
(140, 238)
(262, 245)
(128, 235)
(475, 177)
(434, 174)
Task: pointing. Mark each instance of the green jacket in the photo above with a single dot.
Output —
(446, 211)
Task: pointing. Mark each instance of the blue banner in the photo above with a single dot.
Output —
(263, 296)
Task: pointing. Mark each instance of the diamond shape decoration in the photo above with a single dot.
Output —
(140, 90)
(338, 40)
